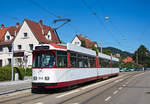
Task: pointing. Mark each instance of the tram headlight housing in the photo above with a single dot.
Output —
(34, 78)
(47, 78)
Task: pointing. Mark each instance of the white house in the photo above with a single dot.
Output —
(30, 35)
(24, 40)
(7, 36)
(79, 39)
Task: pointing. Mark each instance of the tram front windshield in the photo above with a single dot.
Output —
(44, 59)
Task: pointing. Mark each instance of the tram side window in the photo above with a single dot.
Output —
(73, 60)
(85, 61)
(80, 61)
(61, 59)
(115, 64)
(92, 62)
(104, 63)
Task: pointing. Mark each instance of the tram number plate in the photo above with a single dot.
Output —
(40, 78)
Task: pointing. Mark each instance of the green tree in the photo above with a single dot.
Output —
(83, 43)
(94, 48)
(142, 56)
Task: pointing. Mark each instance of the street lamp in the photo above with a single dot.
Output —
(106, 18)
(12, 63)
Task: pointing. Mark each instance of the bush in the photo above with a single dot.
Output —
(20, 71)
(5, 73)
(29, 72)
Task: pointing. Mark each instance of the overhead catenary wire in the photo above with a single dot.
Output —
(44, 9)
(52, 14)
(105, 27)
(100, 20)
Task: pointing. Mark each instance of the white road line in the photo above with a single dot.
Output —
(67, 93)
(127, 83)
(75, 103)
(120, 88)
(39, 103)
(124, 85)
(108, 98)
(115, 92)
(119, 80)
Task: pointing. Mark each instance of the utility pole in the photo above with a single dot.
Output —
(12, 63)
(137, 58)
(101, 47)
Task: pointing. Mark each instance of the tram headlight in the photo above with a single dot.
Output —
(47, 78)
(34, 78)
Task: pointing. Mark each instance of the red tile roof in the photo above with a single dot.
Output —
(12, 30)
(88, 43)
(40, 30)
(128, 59)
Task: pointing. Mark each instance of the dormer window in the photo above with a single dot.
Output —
(25, 35)
(8, 37)
(48, 36)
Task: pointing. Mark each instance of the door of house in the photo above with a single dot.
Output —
(0, 63)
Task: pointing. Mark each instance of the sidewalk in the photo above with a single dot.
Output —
(15, 82)
(7, 86)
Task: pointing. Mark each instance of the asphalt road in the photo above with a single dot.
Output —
(128, 88)
(14, 85)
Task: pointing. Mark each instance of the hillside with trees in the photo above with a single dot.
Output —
(109, 50)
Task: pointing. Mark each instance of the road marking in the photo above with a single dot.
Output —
(39, 103)
(120, 88)
(108, 98)
(115, 92)
(124, 85)
(119, 80)
(75, 103)
(67, 93)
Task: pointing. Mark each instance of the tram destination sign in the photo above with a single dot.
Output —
(41, 47)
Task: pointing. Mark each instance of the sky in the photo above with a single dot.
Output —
(127, 27)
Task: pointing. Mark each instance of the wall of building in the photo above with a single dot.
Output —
(76, 41)
(25, 41)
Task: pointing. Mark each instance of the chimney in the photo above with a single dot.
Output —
(41, 22)
(41, 25)
(2, 26)
(17, 24)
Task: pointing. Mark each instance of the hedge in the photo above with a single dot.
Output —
(29, 72)
(5, 73)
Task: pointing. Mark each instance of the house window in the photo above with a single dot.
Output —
(9, 61)
(9, 48)
(31, 46)
(77, 43)
(8, 37)
(1, 48)
(19, 47)
(25, 35)
(48, 36)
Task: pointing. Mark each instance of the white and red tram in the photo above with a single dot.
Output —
(56, 66)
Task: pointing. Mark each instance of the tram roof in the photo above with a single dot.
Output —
(75, 48)
(104, 56)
